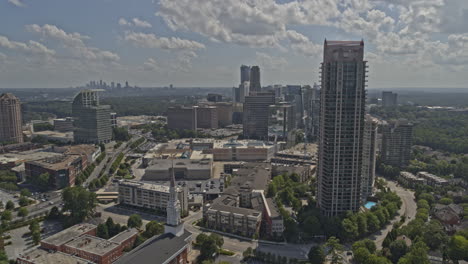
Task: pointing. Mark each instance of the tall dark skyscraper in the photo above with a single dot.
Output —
(256, 115)
(244, 74)
(341, 136)
(10, 119)
(389, 99)
(91, 120)
(255, 79)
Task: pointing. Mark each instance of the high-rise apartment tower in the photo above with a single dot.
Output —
(10, 119)
(342, 112)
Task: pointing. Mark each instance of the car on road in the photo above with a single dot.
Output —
(51, 203)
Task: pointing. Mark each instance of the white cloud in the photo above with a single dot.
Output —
(270, 62)
(74, 43)
(32, 47)
(135, 22)
(152, 41)
(150, 65)
(17, 3)
(141, 23)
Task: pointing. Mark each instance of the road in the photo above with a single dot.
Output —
(408, 209)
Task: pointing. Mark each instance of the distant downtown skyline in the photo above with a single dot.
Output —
(190, 43)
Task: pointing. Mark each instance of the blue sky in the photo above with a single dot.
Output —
(59, 43)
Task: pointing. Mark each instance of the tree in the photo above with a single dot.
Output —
(54, 213)
(153, 228)
(312, 226)
(416, 255)
(23, 212)
(247, 253)
(102, 231)
(25, 192)
(1, 205)
(458, 248)
(398, 249)
(23, 201)
(134, 221)
(6, 215)
(10, 205)
(434, 235)
(34, 226)
(36, 237)
(79, 202)
(43, 181)
(446, 201)
(316, 255)
(335, 250)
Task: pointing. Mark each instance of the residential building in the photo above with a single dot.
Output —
(10, 119)
(180, 117)
(389, 99)
(173, 246)
(91, 119)
(63, 124)
(256, 115)
(304, 172)
(342, 110)
(312, 111)
(369, 149)
(408, 179)
(255, 85)
(272, 222)
(113, 117)
(224, 215)
(150, 195)
(397, 140)
(433, 180)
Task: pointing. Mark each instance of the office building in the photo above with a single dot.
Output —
(312, 111)
(255, 85)
(225, 111)
(207, 116)
(62, 170)
(91, 119)
(397, 140)
(181, 117)
(389, 99)
(79, 243)
(63, 124)
(369, 156)
(184, 169)
(244, 73)
(242, 150)
(256, 115)
(149, 195)
(10, 119)
(212, 97)
(341, 137)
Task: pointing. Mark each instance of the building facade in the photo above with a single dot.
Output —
(10, 119)
(342, 112)
(244, 73)
(397, 140)
(150, 196)
(389, 99)
(63, 124)
(207, 116)
(180, 117)
(369, 149)
(256, 115)
(92, 120)
(255, 85)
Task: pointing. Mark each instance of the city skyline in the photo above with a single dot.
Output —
(156, 43)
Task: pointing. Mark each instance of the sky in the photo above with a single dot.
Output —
(189, 43)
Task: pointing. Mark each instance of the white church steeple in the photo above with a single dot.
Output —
(173, 223)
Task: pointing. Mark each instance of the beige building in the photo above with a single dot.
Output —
(10, 119)
(150, 196)
(207, 117)
(242, 150)
(184, 169)
(223, 215)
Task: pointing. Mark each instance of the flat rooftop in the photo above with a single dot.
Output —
(124, 235)
(235, 210)
(56, 163)
(157, 250)
(145, 186)
(190, 164)
(42, 256)
(92, 244)
(30, 155)
(219, 144)
(68, 234)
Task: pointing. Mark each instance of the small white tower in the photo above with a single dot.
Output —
(173, 223)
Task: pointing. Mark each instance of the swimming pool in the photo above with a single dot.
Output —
(369, 205)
